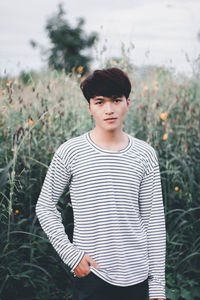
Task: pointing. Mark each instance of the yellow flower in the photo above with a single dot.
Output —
(155, 88)
(176, 188)
(113, 62)
(80, 69)
(165, 136)
(146, 88)
(30, 121)
(164, 116)
(155, 82)
(11, 106)
(3, 107)
(3, 93)
(16, 211)
(9, 83)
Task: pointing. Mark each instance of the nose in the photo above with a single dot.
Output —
(109, 108)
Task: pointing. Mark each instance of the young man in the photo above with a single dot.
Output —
(118, 249)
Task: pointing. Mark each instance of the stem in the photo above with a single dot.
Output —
(12, 184)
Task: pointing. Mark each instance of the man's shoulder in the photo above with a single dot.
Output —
(146, 151)
(70, 146)
(143, 145)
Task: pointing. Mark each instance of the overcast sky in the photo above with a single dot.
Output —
(162, 31)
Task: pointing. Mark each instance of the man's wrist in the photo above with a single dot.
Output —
(77, 263)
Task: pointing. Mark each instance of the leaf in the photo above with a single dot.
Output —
(28, 233)
(4, 176)
(38, 267)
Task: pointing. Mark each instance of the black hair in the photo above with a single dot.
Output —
(107, 82)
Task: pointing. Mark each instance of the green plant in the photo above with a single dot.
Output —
(36, 118)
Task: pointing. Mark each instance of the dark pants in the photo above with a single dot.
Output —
(91, 287)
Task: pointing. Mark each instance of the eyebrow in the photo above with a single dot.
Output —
(102, 98)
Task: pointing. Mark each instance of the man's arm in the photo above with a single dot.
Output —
(152, 214)
(57, 177)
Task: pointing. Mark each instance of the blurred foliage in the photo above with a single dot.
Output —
(37, 114)
(27, 77)
(67, 44)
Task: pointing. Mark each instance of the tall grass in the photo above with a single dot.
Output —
(36, 117)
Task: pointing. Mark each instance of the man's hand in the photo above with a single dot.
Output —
(83, 267)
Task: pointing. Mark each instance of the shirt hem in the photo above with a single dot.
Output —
(112, 283)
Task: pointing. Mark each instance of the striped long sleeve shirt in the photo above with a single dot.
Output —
(118, 211)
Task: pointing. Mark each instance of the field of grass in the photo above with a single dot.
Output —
(38, 113)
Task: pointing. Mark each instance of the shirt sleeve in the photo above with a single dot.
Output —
(57, 178)
(152, 214)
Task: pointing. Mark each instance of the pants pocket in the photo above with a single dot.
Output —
(83, 277)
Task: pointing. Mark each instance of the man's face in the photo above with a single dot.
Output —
(104, 108)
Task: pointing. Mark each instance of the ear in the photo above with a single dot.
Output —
(128, 102)
(89, 107)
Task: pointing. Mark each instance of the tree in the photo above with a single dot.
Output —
(67, 44)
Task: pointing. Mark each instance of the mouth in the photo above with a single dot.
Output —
(110, 119)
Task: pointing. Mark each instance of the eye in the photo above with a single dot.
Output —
(99, 102)
(118, 100)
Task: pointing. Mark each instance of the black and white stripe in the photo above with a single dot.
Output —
(118, 210)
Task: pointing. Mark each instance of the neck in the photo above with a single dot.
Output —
(108, 138)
